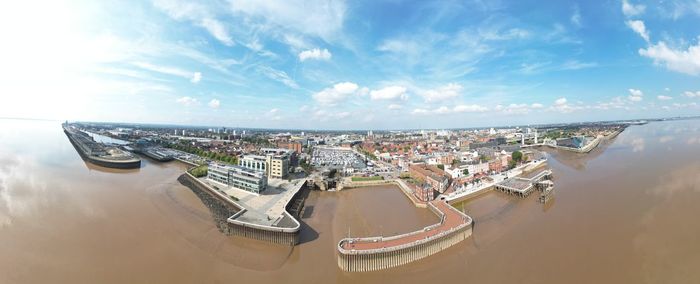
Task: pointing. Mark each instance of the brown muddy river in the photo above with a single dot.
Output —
(625, 213)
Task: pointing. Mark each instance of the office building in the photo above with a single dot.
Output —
(275, 162)
(237, 177)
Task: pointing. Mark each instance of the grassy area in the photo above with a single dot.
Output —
(367, 178)
(200, 171)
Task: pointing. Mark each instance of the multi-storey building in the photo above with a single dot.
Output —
(274, 164)
(237, 177)
(432, 175)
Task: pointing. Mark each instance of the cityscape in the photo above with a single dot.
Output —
(334, 141)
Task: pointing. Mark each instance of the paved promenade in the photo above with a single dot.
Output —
(451, 219)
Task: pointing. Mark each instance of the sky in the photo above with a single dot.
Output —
(349, 64)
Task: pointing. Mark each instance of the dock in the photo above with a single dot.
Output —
(523, 187)
(377, 253)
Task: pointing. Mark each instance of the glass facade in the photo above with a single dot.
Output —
(238, 177)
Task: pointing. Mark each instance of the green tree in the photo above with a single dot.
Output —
(441, 166)
(465, 172)
(517, 156)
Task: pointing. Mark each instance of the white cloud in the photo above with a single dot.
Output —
(389, 93)
(514, 109)
(635, 95)
(690, 94)
(217, 29)
(278, 75)
(684, 61)
(273, 114)
(561, 105)
(214, 103)
(630, 9)
(324, 115)
(577, 65)
(449, 91)
(470, 108)
(447, 110)
(196, 77)
(394, 107)
(664, 98)
(639, 27)
(495, 34)
(187, 101)
(420, 111)
(199, 14)
(536, 106)
(322, 18)
(576, 17)
(318, 54)
(338, 93)
(442, 110)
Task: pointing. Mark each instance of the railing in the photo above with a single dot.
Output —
(232, 219)
(467, 221)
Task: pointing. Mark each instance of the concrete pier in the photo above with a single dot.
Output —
(522, 187)
(284, 231)
(376, 253)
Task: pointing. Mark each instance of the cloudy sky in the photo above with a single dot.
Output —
(349, 64)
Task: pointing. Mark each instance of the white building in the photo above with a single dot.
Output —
(237, 177)
(275, 162)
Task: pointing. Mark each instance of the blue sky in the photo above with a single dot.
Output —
(349, 64)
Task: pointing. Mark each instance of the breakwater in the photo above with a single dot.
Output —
(98, 154)
(376, 253)
(227, 214)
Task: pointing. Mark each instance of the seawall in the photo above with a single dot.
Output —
(224, 208)
(377, 253)
(126, 164)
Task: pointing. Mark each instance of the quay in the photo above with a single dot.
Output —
(99, 154)
(495, 179)
(522, 187)
(376, 253)
(284, 228)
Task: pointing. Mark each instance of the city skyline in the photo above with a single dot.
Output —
(350, 65)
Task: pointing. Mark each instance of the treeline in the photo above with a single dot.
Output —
(257, 140)
(205, 154)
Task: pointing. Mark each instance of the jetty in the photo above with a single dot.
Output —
(522, 187)
(376, 253)
(276, 223)
(98, 153)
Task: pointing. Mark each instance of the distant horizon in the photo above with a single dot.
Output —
(165, 125)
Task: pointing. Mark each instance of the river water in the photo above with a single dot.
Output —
(627, 212)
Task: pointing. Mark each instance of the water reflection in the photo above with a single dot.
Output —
(665, 139)
(624, 213)
(93, 167)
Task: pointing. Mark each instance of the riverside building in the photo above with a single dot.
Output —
(237, 177)
(274, 164)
